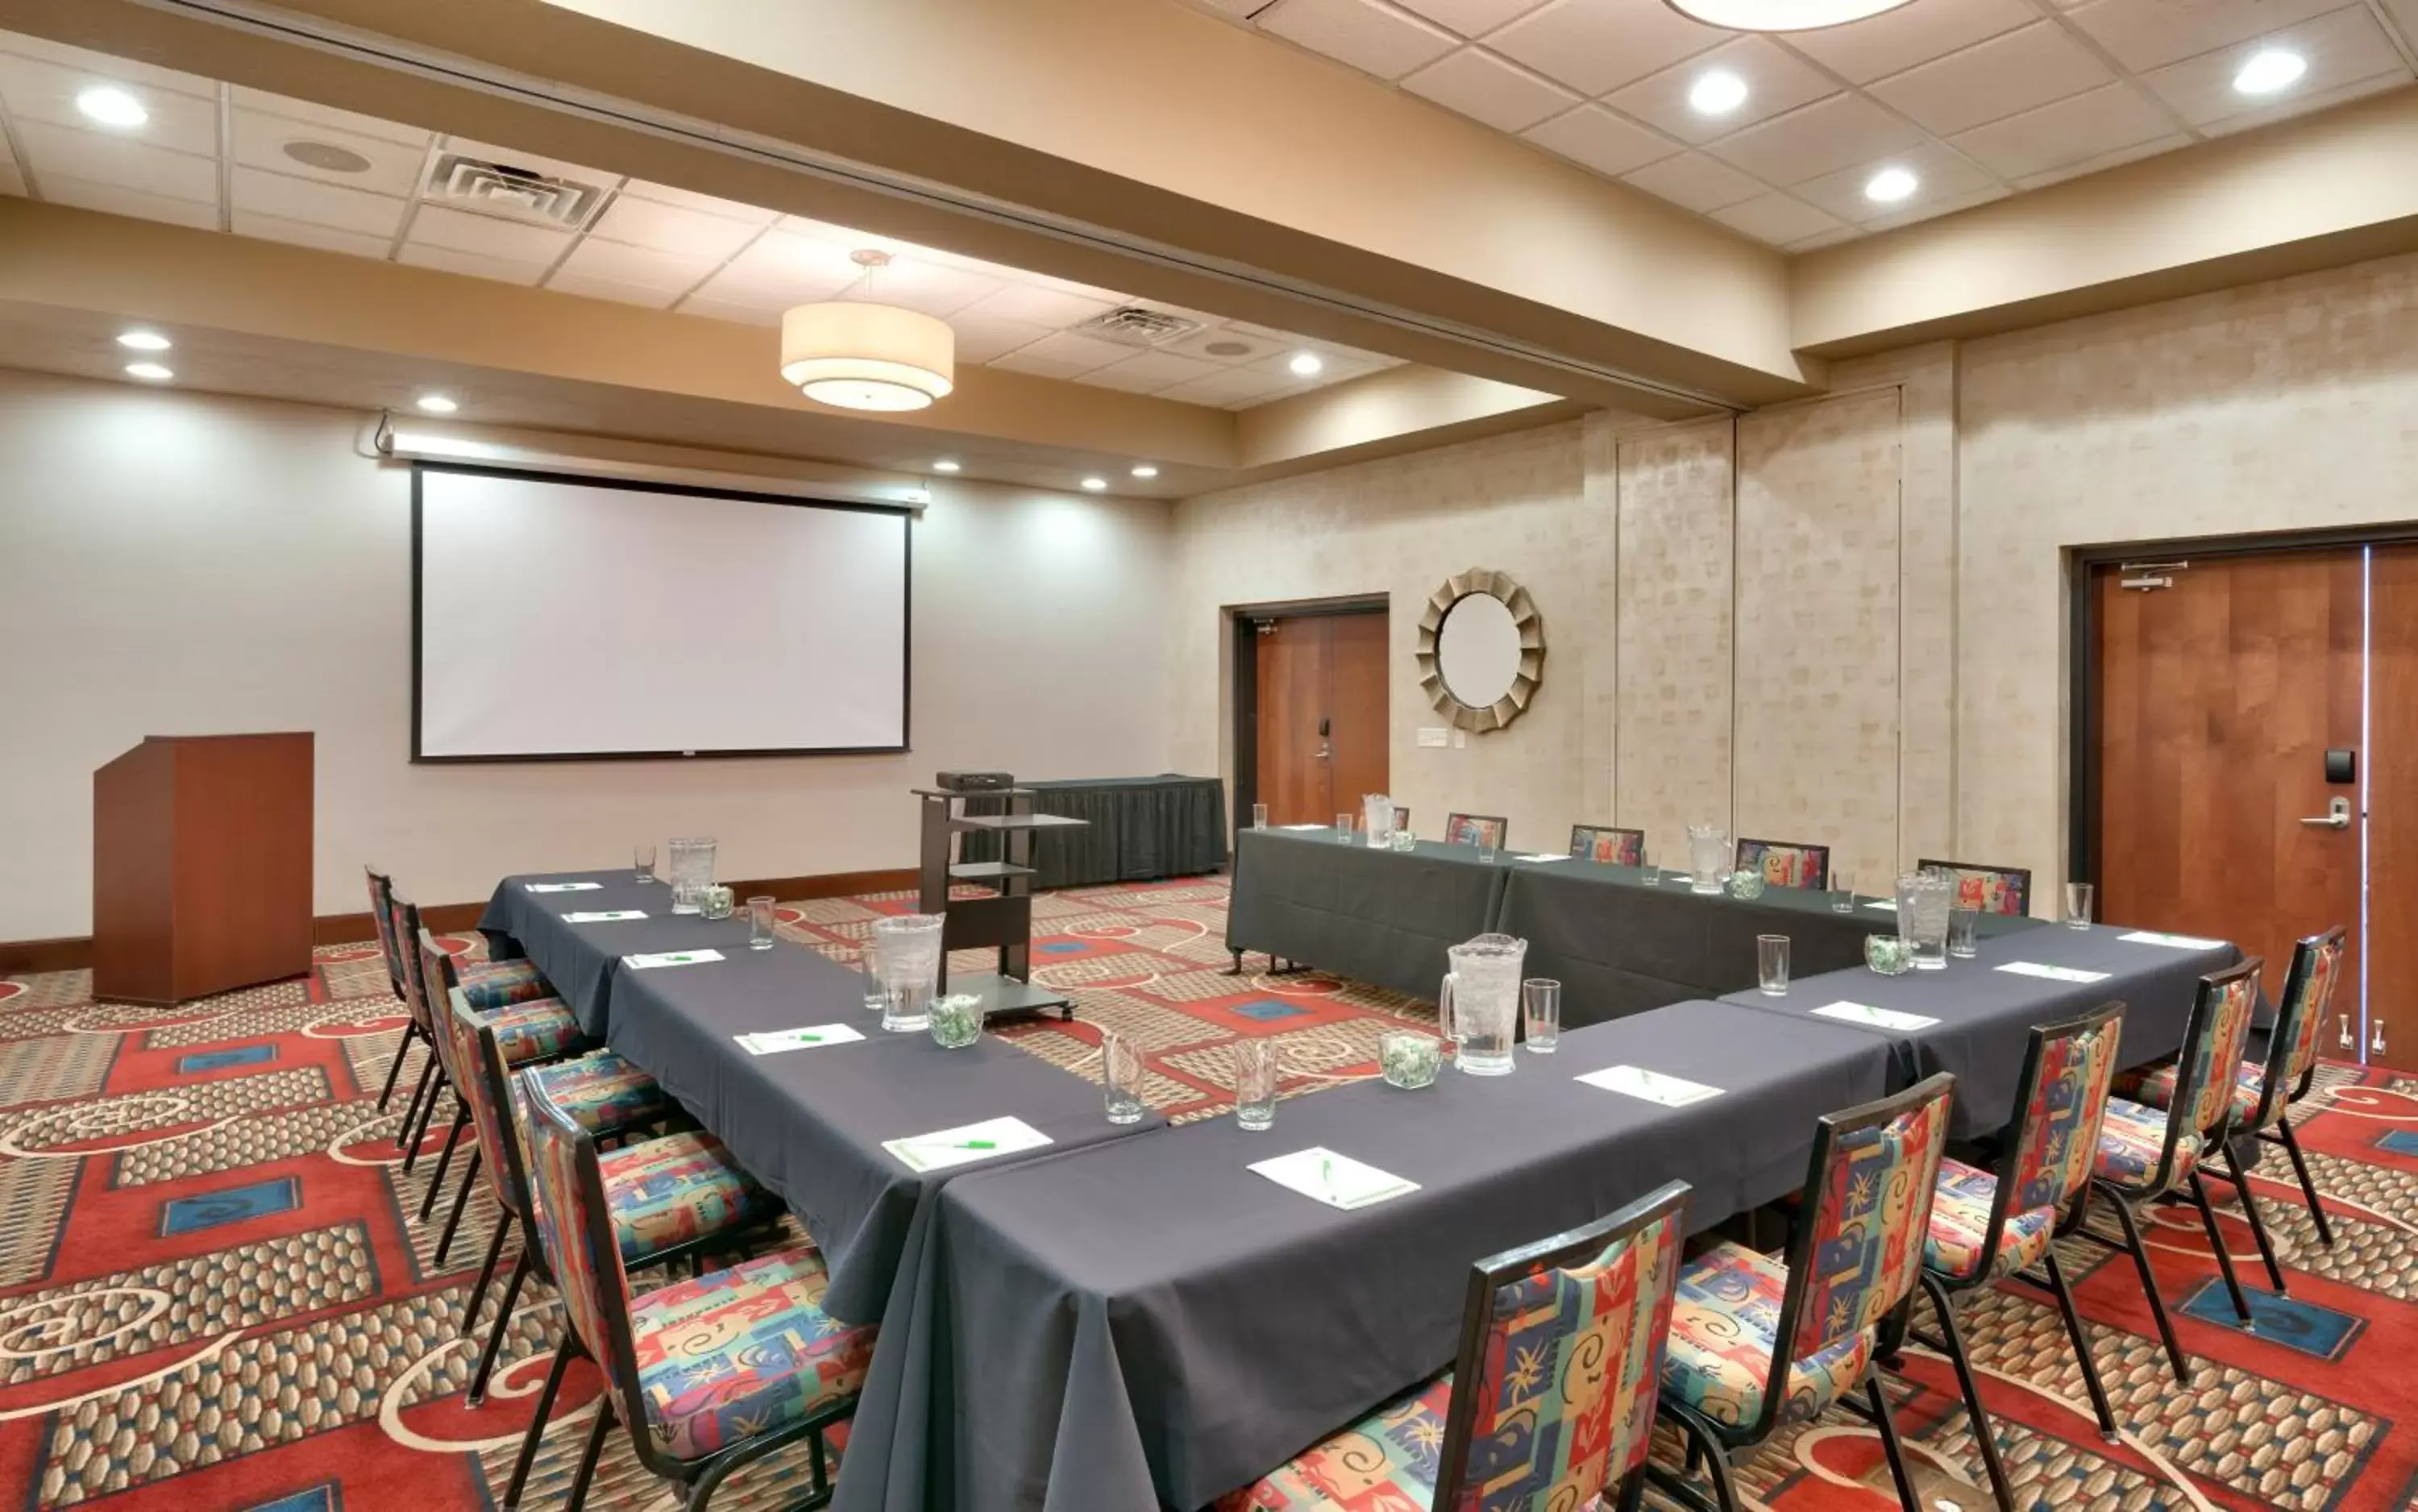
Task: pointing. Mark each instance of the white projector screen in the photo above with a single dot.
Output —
(569, 617)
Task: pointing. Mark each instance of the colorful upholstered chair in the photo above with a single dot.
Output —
(1474, 829)
(708, 1374)
(1987, 889)
(1550, 1402)
(1783, 863)
(382, 918)
(2147, 1154)
(492, 983)
(1985, 1228)
(1604, 843)
(1758, 1345)
(534, 1028)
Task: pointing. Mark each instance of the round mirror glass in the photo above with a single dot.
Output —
(1477, 650)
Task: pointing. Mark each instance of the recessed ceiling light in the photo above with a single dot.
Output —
(111, 106)
(1781, 15)
(947, 464)
(1890, 185)
(1305, 365)
(1096, 485)
(148, 372)
(1717, 93)
(1143, 469)
(143, 340)
(2270, 69)
(437, 404)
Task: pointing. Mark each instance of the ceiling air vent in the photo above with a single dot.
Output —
(1136, 325)
(516, 194)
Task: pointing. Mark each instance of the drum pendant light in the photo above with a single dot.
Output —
(1779, 15)
(862, 354)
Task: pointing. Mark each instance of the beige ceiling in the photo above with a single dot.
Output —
(1979, 99)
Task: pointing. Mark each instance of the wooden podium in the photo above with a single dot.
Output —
(201, 866)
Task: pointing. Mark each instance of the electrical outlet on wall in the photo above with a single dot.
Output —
(1434, 738)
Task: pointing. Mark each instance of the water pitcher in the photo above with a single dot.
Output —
(1478, 1005)
(692, 873)
(1708, 857)
(909, 949)
(1923, 899)
(1378, 811)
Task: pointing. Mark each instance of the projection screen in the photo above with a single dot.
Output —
(559, 617)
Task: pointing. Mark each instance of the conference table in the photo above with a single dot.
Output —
(1307, 893)
(1135, 829)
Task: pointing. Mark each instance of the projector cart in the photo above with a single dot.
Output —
(1004, 917)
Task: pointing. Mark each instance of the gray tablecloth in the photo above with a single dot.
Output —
(581, 960)
(1618, 946)
(1136, 829)
(1384, 917)
(1986, 1014)
(1153, 1322)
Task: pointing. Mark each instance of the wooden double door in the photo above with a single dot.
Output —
(2257, 764)
(1318, 731)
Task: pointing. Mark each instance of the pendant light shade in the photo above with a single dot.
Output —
(858, 354)
(1781, 15)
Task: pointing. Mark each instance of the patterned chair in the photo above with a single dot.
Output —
(1783, 863)
(2264, 1089)
(1987, 889)
(1474, 829)
(382, 917)
(1743, 1320)
(2147, 1154)
(1550, 1402)
(1983, 1230)
(1604, 843)
(534, 1028)
(708, 1374)
(492, 983)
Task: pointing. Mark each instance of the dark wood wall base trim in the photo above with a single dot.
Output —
(25, 958)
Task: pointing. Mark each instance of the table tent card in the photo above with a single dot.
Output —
(805, 1037)
(2151, 937)
(1338, 1181)
(650, 960)
(1652, 1086)
(1864, 1012)
(604, 916)
(561, 887)
(2053, 973)
(944, 1147)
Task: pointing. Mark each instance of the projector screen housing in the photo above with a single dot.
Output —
(559, 617)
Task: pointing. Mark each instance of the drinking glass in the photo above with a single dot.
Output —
(868, 961)
(1345, 826)
(1486, 848)
(1842, 892)
(910, 968)
(642, 860)
(1121, 1069)
(1255, 1083)
(1258, 815)
(1647, 872)
(2078, 905)
(759, 923)
(957, 1020)
(1771, 965)
(1961, 924)
(1540, 1003)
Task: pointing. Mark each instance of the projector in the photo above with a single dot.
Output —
(974, 782)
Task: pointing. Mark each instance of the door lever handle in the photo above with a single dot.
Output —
(2336, 817)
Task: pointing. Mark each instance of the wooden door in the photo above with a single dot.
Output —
(1322, 703)
(2218, 700)
(2392, 791)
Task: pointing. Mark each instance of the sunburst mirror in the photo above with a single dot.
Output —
(1481, 649)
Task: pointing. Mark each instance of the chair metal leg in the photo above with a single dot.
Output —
(411, 1108)
(394, 1067)
(427, 1116)
(461, 1200)
(487, 1269)
(1632, 1493)
(1701, 1448)
(529, 1440)
(588, 1456)
(2081, 1338)
(2216, 1243)
(1944, 1308)
(1889, 1444)
(2140, 1254)
(437, 1183)
(2257, 1224)
(503, 1326)
(2308, 1188)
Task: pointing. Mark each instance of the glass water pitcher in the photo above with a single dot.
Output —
(692, 873)
(1478, 1005)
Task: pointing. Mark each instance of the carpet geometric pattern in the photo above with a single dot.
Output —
(213, 1294)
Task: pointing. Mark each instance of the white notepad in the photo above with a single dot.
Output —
(1338, 1181)
(2151, 937)
(805, 1037)
(669, 958)
(1864, 1012)
(604, 916)
(2052, 974)
(1652, 1086)
(560, 887)
(944, 1147)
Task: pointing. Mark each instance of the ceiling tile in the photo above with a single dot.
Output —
(57, 151)
(304, 233)
(2105, 160)
(2004, 76)
(447, 260)
(2304, 104)
(672, 228)
(11, 181)
(2344, 48)
(1229, 386)
(1471, 18)
(1695, 182)
(669, 274)
(2404, 12)
(261, 141)
(1943, 177)
(1776, 219)
(1775, 80)
(100, 65)
(1485, 88)
(781, 267)
(1928, 208)
(985, 339)
(691, 200)
(1036, 305)
(116, 199)
(303, 199)
(39, 91)
(485, 235)
(736, 314)
(1226, 346)
(1822, 238)
(613, 289)
(1027, 360)
(2143, 34)
(1889, 44)
(1370, 36)
(1596, 138)
(1596, 46)
(328, 115)
(2087, 126)
(1822, 138)
(931, 288)
(1081, 353)
(1149, 373)
(513, 156)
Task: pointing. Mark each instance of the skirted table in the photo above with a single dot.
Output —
(1137, 830)
(1380, 916)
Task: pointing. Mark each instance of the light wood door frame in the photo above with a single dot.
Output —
(1242, 621)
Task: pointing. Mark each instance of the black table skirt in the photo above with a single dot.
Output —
(1382, 917)
(1137, 830)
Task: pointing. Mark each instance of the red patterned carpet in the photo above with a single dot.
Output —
(212, 1294)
